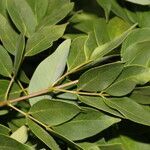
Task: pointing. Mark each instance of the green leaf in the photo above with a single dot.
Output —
(97, 36)
(8, 35)
(109, 46)
(3, 111)
(143, 2)
(23, 77)
(22, 16)
(111, 147)
(7, 143)
(119, 10)
(101, 31)
(21, 134)
(42, 135)
(4, 130)
(141, 95)
(129, 143)
(116, 26)
(98, 103)
(130, 110)
(43, 39)
(137, 36)
(53, 112)
(89, 146)
(106, 5)
(86, 124)
(14, 92)
(57, 10)
(3, 8)
(39, 7)
(77, 54)
(99, 78)
(128, 79)
(143, 17)
(45, 76)
(19, 54)
(90, 44)
(16, 123)
(5, 63)
(135, 53)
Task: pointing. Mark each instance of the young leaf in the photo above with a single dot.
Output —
(19, 54)
(5, 63)
(4, 130)
(22, 16)
(99, 78)
(98, 103)
(21, 134)
(8, 36)
(130, 109)
(39, 7)
(42, 135)
(43, 39)
(86, 124)
(57, 10)
(128, 79)
(49, 70)
(77, 54)
(7, 143)
(53, 112)
(109, 46)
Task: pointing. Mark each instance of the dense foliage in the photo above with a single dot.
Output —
(75, 75)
